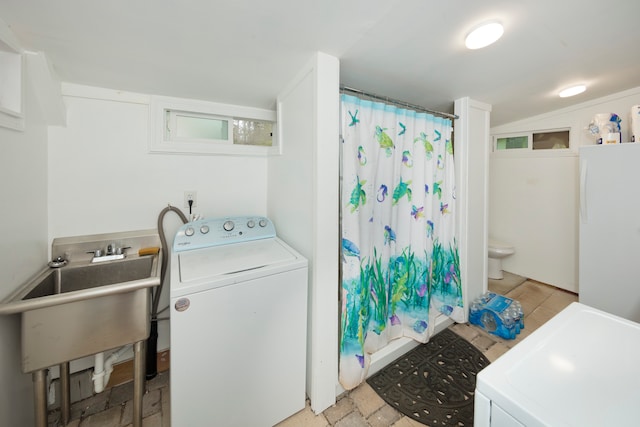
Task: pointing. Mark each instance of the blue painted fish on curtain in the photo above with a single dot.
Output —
(400, 263)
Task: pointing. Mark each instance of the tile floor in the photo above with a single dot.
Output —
(360, 407)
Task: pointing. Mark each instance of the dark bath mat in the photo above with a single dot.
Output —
(435, 382)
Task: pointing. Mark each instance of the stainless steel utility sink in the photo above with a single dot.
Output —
(85, 308)
(82, 308)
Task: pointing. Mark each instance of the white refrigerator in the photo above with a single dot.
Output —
(609, 258)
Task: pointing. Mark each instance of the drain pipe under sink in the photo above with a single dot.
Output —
(102, 369)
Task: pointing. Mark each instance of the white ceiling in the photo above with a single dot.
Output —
(245, 51)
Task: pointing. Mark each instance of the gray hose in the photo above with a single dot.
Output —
(165, 255)
(151, 364)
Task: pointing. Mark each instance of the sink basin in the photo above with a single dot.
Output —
(85, 308)
(55, 286)
(87, 277)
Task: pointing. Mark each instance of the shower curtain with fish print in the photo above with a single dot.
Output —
(400, 264)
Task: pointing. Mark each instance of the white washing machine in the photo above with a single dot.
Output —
(238, 325)
(580, 369)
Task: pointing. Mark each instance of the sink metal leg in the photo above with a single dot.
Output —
(40, 396)
(65, 391)
(138, 381)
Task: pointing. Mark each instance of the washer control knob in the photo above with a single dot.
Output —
(204, 229)
(263, 223)
(251, 223)
(189, 231)
(228, 225)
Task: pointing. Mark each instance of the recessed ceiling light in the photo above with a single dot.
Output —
(484, 35)
(571, 91)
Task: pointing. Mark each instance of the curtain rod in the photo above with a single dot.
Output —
(397, 102)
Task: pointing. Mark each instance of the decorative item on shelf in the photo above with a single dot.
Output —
(605, 127)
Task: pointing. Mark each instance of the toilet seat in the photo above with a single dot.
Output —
(500, 249)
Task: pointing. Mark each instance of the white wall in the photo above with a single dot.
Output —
(533, 201)
(102, 178)
(23, 227)
(303, 203)
(533, 206)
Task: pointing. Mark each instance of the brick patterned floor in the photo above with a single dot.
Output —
(360, 407)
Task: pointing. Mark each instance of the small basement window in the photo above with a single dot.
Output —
(188, 126)
(512, 142)
(252, 132)
(198, 127)
(551, 140)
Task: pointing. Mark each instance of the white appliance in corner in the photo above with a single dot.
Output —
(609, 258)
(580, 369)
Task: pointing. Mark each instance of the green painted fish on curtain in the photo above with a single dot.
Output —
(400, 264)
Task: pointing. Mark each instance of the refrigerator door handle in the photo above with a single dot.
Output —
(583, 190)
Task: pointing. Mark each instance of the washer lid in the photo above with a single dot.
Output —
(229, 259)
(579, 369)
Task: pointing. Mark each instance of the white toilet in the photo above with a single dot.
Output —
(497, 251)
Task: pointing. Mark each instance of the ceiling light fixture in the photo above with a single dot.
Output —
(484, 35)
(571, 91)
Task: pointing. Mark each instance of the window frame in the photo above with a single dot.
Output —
(162, 108)
(530, 151)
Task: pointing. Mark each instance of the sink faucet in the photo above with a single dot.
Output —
(96, 253)
(113, 249)
(112, 252)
